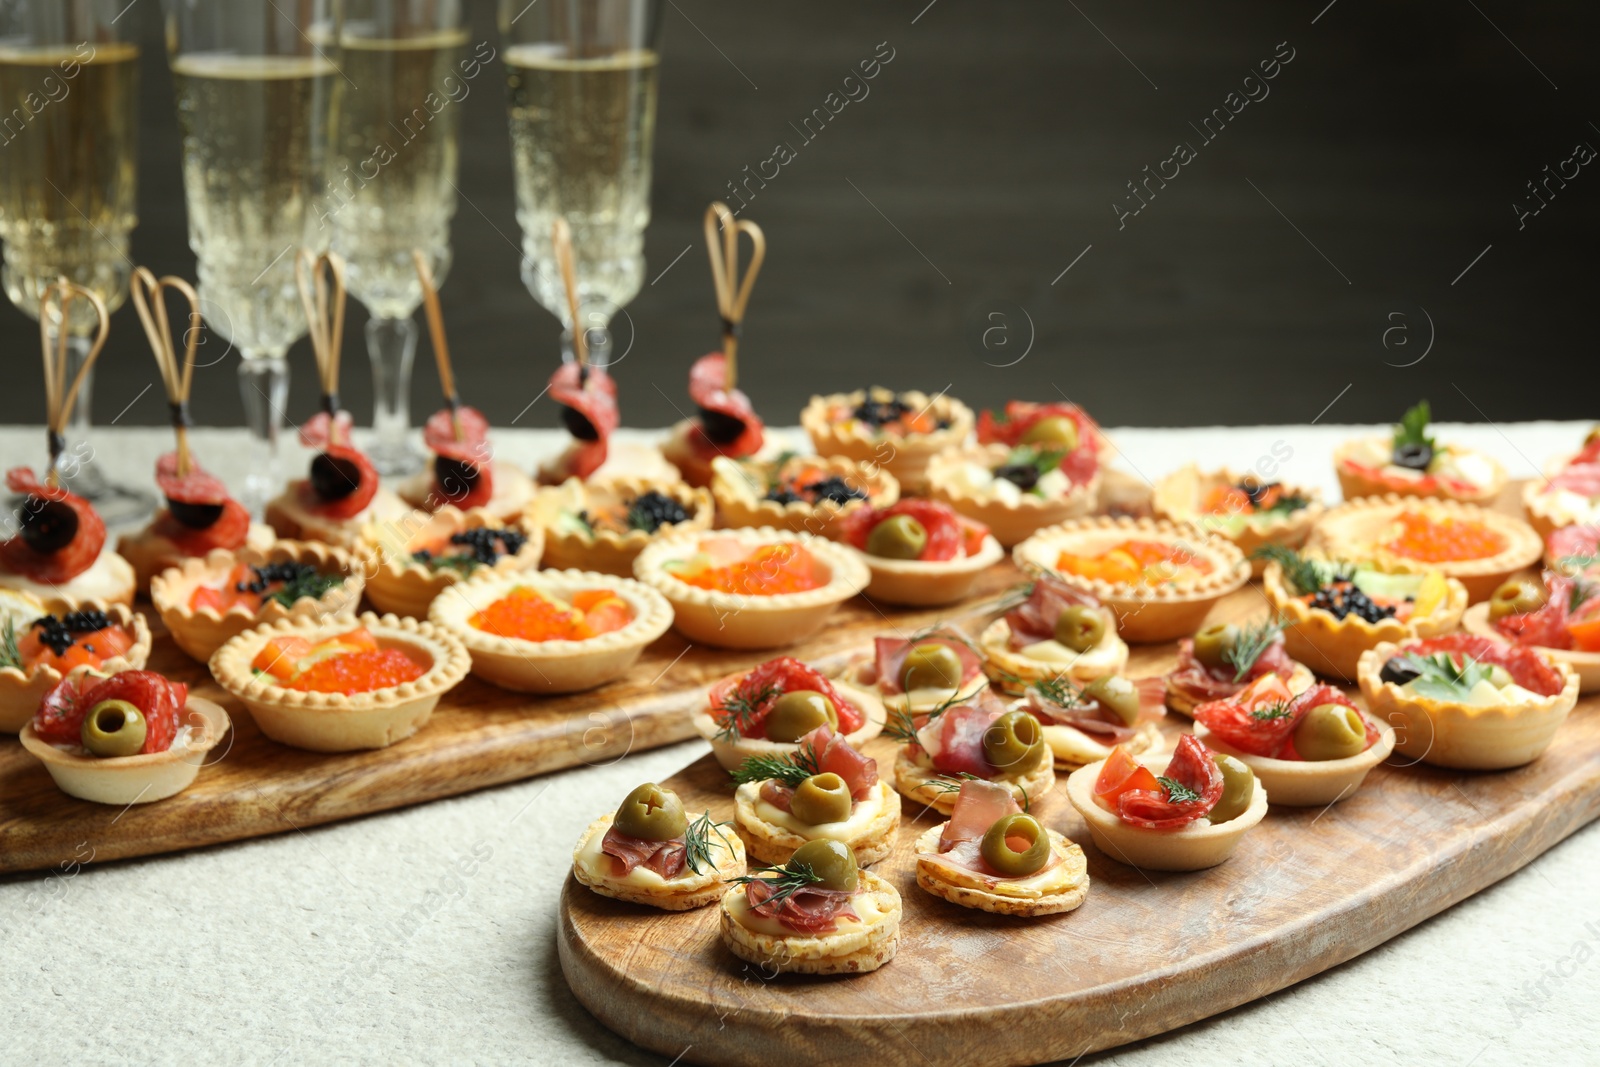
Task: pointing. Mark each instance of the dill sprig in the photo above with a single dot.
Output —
(1578, 561)
(785, 881)
(1177, 792)
(697, 842)
(1582, 592)
(1059, 691)
(1253, 640)
(1278, 710)
(1304, 575)
(10, 656)
(1014, 597)
(902, 725)
(739, 709)
(791, 770)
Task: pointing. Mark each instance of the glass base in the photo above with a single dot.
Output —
(392, 346)
(395, 460)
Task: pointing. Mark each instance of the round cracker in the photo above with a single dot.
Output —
(774, 844)
(928, 787)
(688, 890)
(999, 904)
(851, 952)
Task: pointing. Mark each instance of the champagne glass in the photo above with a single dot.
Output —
(68, 144)
(581, 77)
(254, 82)
(392, 187)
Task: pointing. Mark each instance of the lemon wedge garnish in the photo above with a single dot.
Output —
(1430, 594)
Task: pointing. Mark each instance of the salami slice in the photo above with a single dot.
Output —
(339, 469)
(1019, 417)
(588, 400)
(728, 425)
(61, 534)
(462, 471)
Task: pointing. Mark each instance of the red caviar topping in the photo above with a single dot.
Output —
(1442, 540)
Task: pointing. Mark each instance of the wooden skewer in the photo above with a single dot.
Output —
(58, 398)
(441, 347)
(323, 302)
(733, 292)
(149, 300)
(561, 237)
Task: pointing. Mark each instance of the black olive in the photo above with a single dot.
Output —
(194, 516)
(720, 428)
(578, 424)
(1414, 457)
(47, 525)
(1022, 475)
(456, 478)
(333, 477)
(1398, 671)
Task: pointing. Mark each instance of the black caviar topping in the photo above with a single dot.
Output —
(878, 409)
(652, 510)
(58, 632)
(832, 488)
(1341, 600)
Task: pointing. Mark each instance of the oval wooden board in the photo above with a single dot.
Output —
(1147, 952)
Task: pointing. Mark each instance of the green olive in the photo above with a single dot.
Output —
(1056, 432)
(1213, 643)
(114, 728)
(1118, 694)
(897, 537)
(1238, 789)
(1330, 731)
(1015, 743)
(931, 666)
(821, 798)
(830, 860)
(1518, 596)
(798, 712)
(999, 853)
(1080, 628)
(651, 813)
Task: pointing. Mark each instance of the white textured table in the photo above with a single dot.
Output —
(427, 934)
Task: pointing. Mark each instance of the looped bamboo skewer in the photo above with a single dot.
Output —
(58, 397)
(733, 293)
(323, 302)
(149, 300)
(441, 347)
(561, 238)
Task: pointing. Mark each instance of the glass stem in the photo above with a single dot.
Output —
(392, 346)
(76, 464)
(264, 389)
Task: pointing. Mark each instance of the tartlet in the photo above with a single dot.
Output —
(899, 432)
(772, 840)
(22, 687)
(920, 552)
(1083, 725)
(555, 665)
(1155, 607)
(400, 580)
(1405, 529)
(342, 722)
(294, 520)
(1449, 733)
(1561, 620)
(1024, 645)
(624, 462)
(865, 942)
(201, 631)
(1246, 509)
(1409, 463)
(603, 526)
(752, 561)
(807, 494)
(1220, 661)
(965, 479)
(511, 491)
(64, 575)
(950, 669)
(735, 704)
(702, 872)
(1569, 492)
(151, 551)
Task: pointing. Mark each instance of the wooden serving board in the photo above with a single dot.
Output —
(1307, 889)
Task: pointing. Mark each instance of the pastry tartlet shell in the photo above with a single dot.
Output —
(982, 900)
(683, 893)
(928, 583)
(608, 551)
(773, 845)
(1586, 665)
(906, 458)
(1300, 679)
(398, 585)
(1354, 485)
(916, 782)
(293, 522)
(1011, 524)
(551, 666)
(68, 596)
(1308, 783)
(851, 952)
(737, 506)
(21, 691)
(1176, 497)
(1002, 663)
(141, 779)
(1535, 503)
(150, 553)
(731, 754)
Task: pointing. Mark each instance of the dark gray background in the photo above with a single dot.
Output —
(991, 149)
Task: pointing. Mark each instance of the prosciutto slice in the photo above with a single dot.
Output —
(890, 657)
(1200, 683)
(833, 755)
(666, 858)
(954, 740)
(1079, 465)
(979, 806)
(589, 396)
(708, 388)
(1092, 717)
(1580, 478)
(808, 910)
(1034, 620)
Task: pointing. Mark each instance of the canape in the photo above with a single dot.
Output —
(552, 631)
(1409, 463)
(1557, 614)
(804, 493)
(1311, 748)
(408, 564)
(993, 857)
(1334, 610)
(899, 432)
(1479, 548)
(131, 737)
(603, 526)
(750, 588)
(1224, 659)
(207, 601)
(1055, 632)
(923, 671)
(38, 649)
(975, 738)
(824, 789)
(336, 685)
(1015, 492)
(1081, 725)
(650, 852)
(1183, 812)
(1244, 508)
(1468, 701)
(818, 914)
(920, 552)
(1575, 551)
(1569, 493)
(766, 711)
(1160, 579)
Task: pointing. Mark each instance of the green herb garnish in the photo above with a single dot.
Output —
(738, 711)
(1059, 691)
(307, 583)
(1304, 576)
(1413, 428)
(785, 881)
(1253, 640)
(10, 656)
(1281, 710)
(1578, 561)
(902, 725)
(791, 770)
(1582, 592)
(1177, 792)
(697, 842)
(1440, 677)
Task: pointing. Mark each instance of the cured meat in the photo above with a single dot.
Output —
(954, 740)
(890, 657)
(200, 515)
(462, 474)
(589, 397)
(352, 467)
(1191, 767)
(666, 858)
(1581, 540)
(197, 487)
(728, 423)
(59, 719)
(748, 698)
(1546, 627)
(1580, 478)
(1526, 667)
(978, 806)
(808, 910)
(949, 535)
(1200, 683)
(835, 756)
(1079, 465)
(1091, 717)
(1262, 719)
(1034, 620)
(54, 505)
(321, 429)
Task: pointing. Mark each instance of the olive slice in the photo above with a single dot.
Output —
(194, 516)
(578, 424)
(47, 525)
(999, 853)
(334, 477)
(1416, 457)
(720, 428)
(457, 478)
(1399, 671)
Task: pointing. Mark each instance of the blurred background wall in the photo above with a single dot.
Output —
(966, 218)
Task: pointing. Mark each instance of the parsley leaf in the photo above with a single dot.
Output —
(1413, 428)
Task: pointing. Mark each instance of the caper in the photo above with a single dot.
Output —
(1117, 694)
(1330, 731)
(1014, 743)
(114, 728)
(1080, 627)
(1212, 644)
(999, 853)
(651, 813)
(1518, 596)
(897, 537)
(798, 712)
(830, 860)
(931, 666)
(821, 798)
(1238, 789)
(1055, 432)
